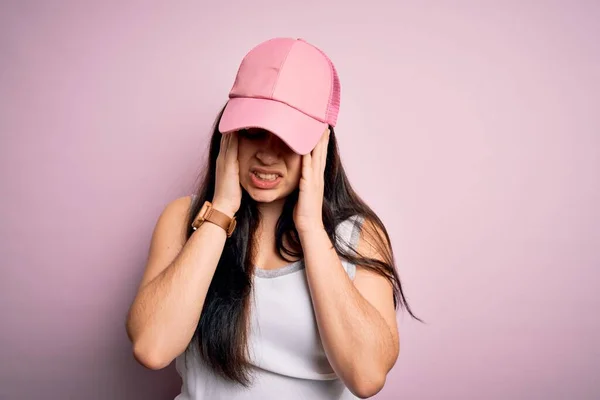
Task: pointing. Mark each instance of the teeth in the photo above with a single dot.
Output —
(266, 177)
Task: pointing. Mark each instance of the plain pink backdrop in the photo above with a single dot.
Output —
(473, 129)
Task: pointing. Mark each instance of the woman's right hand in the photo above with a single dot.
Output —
(228, 192)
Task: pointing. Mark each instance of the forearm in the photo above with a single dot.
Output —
(165, 315)
(355, 336)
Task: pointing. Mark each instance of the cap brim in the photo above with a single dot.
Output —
(296, 129)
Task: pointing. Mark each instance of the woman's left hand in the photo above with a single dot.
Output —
(308, 212)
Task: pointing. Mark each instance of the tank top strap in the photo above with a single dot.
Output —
(348, 235)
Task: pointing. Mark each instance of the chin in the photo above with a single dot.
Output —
(264, 196)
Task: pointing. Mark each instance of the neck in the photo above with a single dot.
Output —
(269, 214)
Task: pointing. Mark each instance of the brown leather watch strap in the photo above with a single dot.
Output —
(208, 213)
(218, 218)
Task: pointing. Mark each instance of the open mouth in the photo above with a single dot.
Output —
(265, 177)
(265, 180)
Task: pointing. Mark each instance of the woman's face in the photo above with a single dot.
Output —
(269, 169)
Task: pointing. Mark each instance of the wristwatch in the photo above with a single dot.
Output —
(210, 214)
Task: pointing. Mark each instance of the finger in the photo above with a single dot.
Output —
(221, 154)
(232, 148)
(227, 144)
(325, 149)
(318, 152)
(306, 165)
(316, 159)
(325, 136)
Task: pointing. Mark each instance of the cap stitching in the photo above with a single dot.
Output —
(244, 59)
(332, 78)
(280, 68)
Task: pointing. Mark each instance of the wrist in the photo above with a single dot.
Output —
(312, 229)
(224, 208)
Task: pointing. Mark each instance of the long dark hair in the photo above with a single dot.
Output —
(221, 334)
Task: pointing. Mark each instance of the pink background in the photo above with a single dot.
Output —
(472, 129)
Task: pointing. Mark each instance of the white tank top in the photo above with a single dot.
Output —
(286, 353)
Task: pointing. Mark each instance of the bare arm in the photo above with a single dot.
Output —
(356, 320)
(166, 310)
(165, 313)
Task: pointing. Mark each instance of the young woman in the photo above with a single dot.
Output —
(275, 280)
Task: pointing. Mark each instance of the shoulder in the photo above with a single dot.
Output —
(177, 208)
(168, 238)
(349, 230)
(174, 216)
(348, 235)
(374, 241)
(364, 235)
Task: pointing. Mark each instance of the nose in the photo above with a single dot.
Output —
(270, 149)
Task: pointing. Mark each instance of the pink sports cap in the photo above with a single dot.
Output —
(288, 87)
